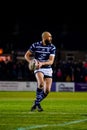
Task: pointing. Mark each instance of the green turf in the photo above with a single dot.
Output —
(62, 111)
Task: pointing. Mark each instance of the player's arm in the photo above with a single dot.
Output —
(27, 56)
(50, 61)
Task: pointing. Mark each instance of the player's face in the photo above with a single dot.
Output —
(48, 39)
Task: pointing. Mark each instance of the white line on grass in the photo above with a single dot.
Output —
(51, 113)
(53, 125)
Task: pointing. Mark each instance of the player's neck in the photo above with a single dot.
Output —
(44, 44)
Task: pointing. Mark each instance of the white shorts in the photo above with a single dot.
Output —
(46, 71)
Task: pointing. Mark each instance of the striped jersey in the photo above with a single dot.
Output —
(42, 52)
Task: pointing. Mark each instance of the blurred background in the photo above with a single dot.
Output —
(19, 30)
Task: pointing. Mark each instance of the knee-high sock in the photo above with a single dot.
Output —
(40, 95)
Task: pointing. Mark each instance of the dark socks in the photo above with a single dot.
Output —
(40, 95)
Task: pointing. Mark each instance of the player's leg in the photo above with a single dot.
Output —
(48, 84)
(39, 91)
(48, 80)
(46, 88)
(44, 80)
(43, 90)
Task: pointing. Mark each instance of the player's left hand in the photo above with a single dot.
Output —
(39, 65)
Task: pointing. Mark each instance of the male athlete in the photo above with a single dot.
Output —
(44, 52)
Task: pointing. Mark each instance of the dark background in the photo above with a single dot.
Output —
(19, 29)
(22, 23)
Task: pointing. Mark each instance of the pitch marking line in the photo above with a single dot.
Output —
(41, 126)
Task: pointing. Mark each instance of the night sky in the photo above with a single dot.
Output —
(19, 31)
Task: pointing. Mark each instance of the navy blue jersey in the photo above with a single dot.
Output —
(42, 52)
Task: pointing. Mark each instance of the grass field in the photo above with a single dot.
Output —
(62, 111)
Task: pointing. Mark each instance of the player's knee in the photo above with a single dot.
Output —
(41, 85)
(47, 91)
